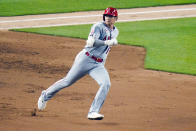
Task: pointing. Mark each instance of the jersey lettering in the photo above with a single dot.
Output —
(109, 38)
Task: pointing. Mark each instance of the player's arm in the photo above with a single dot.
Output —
(93, 39)
(113, 41)
(97, 42)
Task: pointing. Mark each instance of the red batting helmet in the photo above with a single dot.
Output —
(110, 11)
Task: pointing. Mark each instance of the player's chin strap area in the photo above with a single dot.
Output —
(94, 58)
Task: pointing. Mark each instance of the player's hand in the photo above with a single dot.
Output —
(111, 42)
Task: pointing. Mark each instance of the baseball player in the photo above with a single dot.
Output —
(90, 61)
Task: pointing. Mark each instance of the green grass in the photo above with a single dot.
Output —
(170, 44)
(27, 7)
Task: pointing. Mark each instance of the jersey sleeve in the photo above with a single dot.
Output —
(96, 33)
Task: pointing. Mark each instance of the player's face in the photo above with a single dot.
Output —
(110, 20)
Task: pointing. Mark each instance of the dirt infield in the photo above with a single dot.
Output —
(138, 100)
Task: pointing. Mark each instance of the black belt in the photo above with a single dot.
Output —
(94, 58)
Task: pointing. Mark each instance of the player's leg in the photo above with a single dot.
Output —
(73, 75)
(78, 70)
(100, 75)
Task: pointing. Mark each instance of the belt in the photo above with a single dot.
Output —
(93, 57)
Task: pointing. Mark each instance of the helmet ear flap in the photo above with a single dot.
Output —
(103, 17)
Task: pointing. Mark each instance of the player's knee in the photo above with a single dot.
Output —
(106, 84)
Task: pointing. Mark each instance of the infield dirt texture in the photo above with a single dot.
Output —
(139, 99)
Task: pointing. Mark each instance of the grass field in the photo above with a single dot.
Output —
(27, 7)
(170, 43)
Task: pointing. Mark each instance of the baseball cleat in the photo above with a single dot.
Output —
(41, 102)
(95, 116)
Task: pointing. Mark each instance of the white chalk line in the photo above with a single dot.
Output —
(86, 16)
(157, 18)
(140, 19)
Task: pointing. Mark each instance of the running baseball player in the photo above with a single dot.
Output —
(90, 61)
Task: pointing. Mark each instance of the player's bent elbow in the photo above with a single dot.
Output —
(90, 42)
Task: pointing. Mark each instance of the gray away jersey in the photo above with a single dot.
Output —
(100, 32)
